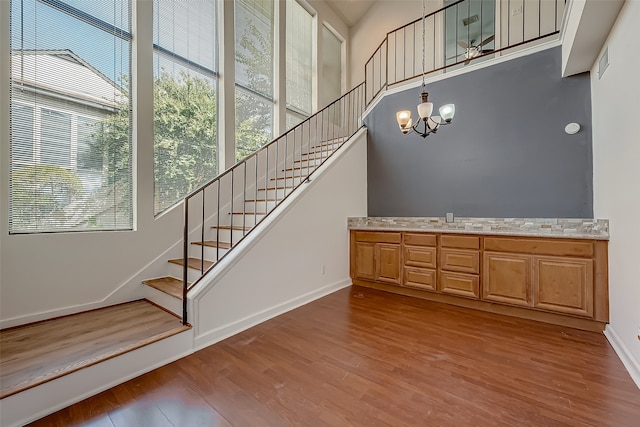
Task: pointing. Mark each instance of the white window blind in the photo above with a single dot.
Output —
(299, 57)
(185, 104)
(70, 145)
(254, 38)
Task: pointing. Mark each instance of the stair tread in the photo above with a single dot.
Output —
(248, 213)
(213, 244)
(168, 284)
(235, 227)
(70, 343)
(261, 200)
(195, 263)
(274, 188)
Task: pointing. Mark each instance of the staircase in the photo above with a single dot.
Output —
(221, 213)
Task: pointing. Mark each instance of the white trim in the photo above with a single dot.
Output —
(216, 335)
(631, 363)
(475, 67)
(37, 402)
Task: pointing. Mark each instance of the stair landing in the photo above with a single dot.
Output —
(33, 354)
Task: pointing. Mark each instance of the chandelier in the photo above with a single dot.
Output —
(426, 124)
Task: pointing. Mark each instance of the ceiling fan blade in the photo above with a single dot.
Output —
(463, 44)
(487, 40)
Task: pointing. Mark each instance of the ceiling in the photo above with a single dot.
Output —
(350, 10)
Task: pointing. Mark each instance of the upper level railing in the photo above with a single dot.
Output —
(462, 32)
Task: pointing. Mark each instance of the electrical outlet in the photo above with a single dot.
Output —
(449, 216)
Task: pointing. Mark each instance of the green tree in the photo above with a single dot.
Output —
(185, 136)
(39, 194)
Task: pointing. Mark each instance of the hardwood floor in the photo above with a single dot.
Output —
(33, 354)
(366, 357)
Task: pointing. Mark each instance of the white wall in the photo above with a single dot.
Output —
(283, 269)
(616, 175)
(382, 17)
(44, 275)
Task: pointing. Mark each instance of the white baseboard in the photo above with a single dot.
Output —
(37, 402)
(218, 334)
(628, 360)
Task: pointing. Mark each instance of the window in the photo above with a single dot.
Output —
(331, 66)
(69, 109)
(299, 72)
(185, 102)
(254, 38)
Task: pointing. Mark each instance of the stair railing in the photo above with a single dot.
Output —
(237, 200)
(501, 25)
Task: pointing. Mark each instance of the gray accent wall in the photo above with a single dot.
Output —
(505, 155)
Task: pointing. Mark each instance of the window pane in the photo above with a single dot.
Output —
(253, 118)
(254, 34)
(299, 57)
(88, 155)
(185, 101)
(70, 59)
(331, 67)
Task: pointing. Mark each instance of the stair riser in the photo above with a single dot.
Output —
(249, 220)
(272, 194)
(176, 271)
(225, 235)
(210, 253)
(260, 206)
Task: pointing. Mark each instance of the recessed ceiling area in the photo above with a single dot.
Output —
(350, 11)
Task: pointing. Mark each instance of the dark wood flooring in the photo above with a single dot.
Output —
(366, 357)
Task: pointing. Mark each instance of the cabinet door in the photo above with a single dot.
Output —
(388, 265)
(506, 278)
(365, 260)
(564, 285)
(466, 285)
(460, 260)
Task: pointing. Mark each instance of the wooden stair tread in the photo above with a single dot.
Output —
(168, 284)
(213, 244)
(228, 227)
(70, 343)
(195, 263)
(275, 188)
(262, 200)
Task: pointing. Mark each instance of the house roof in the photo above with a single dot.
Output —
(63, 72)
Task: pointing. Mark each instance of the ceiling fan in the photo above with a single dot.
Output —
(471, 50)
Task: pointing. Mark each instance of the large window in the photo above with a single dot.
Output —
(299, 70)
(331, 66)
(185, 103)
(254, 38)
(70, 145)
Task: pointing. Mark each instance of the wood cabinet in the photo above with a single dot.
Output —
(548, 279)
(377, 256)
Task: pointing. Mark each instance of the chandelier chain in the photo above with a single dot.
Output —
(424, 55)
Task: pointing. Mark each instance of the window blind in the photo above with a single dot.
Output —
(254, 39)
(70, 145)
(299, 59)
(185, 103)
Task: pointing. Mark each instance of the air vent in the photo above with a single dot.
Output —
(470, 20)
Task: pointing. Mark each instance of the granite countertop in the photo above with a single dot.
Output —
(578, 228)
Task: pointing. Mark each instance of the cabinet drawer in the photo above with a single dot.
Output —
(539, 246)
(420, 278)
(378, 237)
(420, 256)
(466, 285)
(460, 260)
(415, 239)
(461, 242)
